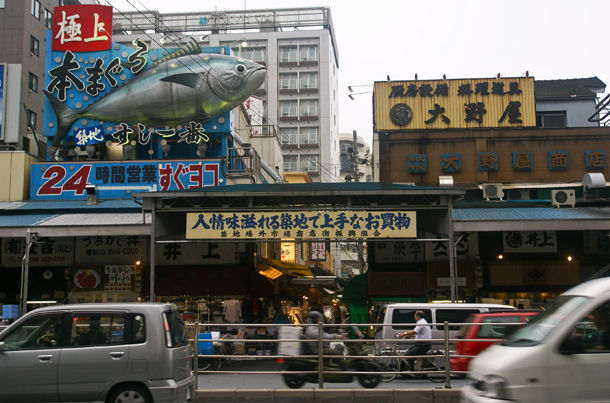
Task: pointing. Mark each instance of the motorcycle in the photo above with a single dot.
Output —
(334, 363)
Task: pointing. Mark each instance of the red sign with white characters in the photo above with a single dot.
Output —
(82, 28)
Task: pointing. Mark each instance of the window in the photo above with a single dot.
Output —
(288, 54)
(288, 81)
(254, 54)
(289, 135)
(551, 119)
(48, 19)
(177, 332)
(34, 45)
(2, 3)
(32, 119)
(38, 332)
(407, 316)
(33, 82)
(36, 9)
(592, 332)
(288, 108)
(309, 163)
(309, 107)
(453, 316)
(497, 331)
(290, 163)
(309, 80)
(309, 135)
(309, 53)
(138, 329)
(95, 329)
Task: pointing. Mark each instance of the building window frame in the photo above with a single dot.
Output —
(31, 118)
(34, 45)
(289, 108)
(48, 18)
(36, 9)
(291, 163)
(309, 135)
(308, 53)
(288, 81)
(33, 82)
(310, 162)
(308, 80)
(288, 54)
(308, 107)
(551, 119)
(289, 135)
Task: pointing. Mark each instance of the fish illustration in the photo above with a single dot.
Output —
(189, 87)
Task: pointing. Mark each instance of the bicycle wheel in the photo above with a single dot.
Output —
(437, 364)
(388, 364)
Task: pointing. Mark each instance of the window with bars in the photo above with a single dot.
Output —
(290, 163)
(288, 81)
(309, 107)
(309, 163)
(288, 54)
(289, 135)
(309, 135)
(308, 53)
(309, 80)
(288, 108)
(254, 54)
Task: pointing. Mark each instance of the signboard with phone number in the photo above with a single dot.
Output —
(118, 180)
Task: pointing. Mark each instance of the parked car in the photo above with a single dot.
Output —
(399, 317)
(97, 352)
(497, 331)
(562, 355)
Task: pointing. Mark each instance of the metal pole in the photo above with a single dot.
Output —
(447, 360)
(196, 356)
(25, 270)
(355, 161)
(320, 357)
(153, 243)
(451, 250)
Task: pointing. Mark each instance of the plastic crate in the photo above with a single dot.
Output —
(10, 311)
(204, 346)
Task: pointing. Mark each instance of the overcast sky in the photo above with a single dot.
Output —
(552, 39)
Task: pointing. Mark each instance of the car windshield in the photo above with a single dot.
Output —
(537, 330)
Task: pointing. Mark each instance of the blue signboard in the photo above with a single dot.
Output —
(118, 180)
(2, 79)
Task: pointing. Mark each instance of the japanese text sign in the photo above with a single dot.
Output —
(117, 180)
(532, 241)
(301, 225)
(82, 28)
(445, 104)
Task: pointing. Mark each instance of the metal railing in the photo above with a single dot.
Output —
(243, 162)
(373, 349)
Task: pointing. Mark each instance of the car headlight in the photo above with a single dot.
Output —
(495, 387)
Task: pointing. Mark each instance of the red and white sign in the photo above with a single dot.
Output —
(82, 28)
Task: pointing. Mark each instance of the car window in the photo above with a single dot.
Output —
(406, 316)
(593, 330)
(464, 329)
(497, 330)
(37, 332)
(138, 328)
(174, 327)
(453, 316)
(95, 329)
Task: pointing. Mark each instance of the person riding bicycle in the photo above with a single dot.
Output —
(311, 332)
(422, 334)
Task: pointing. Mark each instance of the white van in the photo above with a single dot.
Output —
(399, 317)
(563, 355)
(97, 352)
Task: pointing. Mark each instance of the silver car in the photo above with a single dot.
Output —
(97, 352)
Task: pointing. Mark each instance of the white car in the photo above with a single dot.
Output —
(563, 355)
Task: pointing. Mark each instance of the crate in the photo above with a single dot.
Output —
(10, 311)
(205, 346)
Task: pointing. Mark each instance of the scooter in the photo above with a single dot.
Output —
(336, 363)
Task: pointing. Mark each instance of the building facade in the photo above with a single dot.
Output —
(298, 47)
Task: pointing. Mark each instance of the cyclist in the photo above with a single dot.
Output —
(422, 334)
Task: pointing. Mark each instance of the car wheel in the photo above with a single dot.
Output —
(130, 394)
(293, 381)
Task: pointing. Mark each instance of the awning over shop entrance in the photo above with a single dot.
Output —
(273, 268)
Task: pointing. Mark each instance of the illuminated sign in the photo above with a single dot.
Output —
(301, 225)
(82, 28)
(445, 104)
(117, 180)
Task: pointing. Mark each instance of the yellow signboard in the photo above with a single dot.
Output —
(454, 104)
(301, 225)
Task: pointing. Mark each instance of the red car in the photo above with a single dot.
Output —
(497, 332)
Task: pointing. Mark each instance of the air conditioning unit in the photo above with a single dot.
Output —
(563, 197)
(493, 191)
(517, 194)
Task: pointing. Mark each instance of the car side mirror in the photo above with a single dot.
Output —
(571, 345)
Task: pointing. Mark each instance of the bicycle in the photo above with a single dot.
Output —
(432, 364)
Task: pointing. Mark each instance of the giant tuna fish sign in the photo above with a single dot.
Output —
(110, 94)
